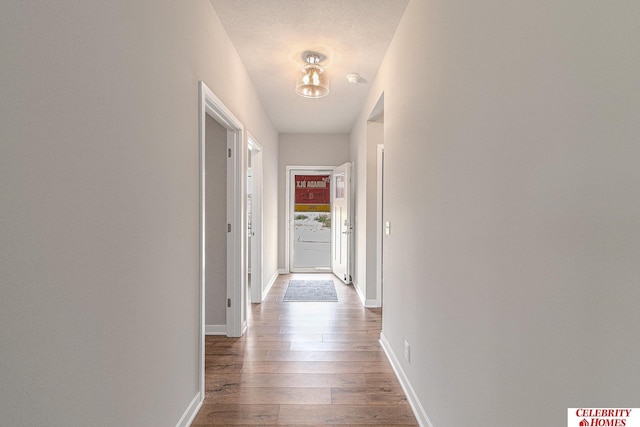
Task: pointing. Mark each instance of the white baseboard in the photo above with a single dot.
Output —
(368, 303)
(266, 290)
(372, 303)
(215, 329)
(359, 292)
(283, 271)
(416, 406)
(190, 413)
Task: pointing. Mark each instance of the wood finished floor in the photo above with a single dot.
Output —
(302, 364)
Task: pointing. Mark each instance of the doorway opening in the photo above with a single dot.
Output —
(310, 220)
(377, 231)
(220, 139)
(319, 222)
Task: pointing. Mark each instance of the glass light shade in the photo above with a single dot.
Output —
(312, 82)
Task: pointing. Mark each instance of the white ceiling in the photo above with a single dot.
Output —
(272, 35)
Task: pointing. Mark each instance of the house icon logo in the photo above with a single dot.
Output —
(584, 422)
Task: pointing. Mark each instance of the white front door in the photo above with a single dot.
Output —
(341, 221)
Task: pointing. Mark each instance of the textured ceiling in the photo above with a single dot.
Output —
(272, 35)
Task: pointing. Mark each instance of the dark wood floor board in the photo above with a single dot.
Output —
(287, 380)
(352, 337)
(270, 395)
(317, 367)
(234, 414)
(326, 356)
(220, 347)
(244, 351)
(345, 414)
(367, 395)
(214, 367)
(335, 346)
(303, 364)
(329, 329)
(234, 358)
(379, 379)
(285, 337)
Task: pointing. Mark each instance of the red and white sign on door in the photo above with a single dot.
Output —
(313, 193)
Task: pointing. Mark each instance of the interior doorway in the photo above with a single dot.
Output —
(212, 114)
(229, 244)
(375, 215)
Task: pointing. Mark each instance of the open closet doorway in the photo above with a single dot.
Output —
(221, 220)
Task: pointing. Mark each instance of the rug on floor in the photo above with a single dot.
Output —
(311, 290)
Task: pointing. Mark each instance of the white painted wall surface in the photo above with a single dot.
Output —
(99, 205)
(511, 182)
(305, 150)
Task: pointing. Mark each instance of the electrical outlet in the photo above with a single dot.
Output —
(407, 351)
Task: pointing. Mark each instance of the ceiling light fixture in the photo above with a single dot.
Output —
(313, 82)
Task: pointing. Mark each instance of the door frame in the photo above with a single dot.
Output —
(337, 229)
(257, 242)
(289, 219)
(379, 222)
(210, 104)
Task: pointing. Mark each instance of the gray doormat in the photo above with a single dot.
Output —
(311, 290)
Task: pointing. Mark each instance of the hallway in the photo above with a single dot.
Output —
(303, 363)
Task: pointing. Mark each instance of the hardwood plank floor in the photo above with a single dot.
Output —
(303, 364)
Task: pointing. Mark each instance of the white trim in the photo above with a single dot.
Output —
(210, 104)
(367, 303)
(201, 197)
(236, 216)
(372, 303)
(257, 209)
(359, 293)
(273, 279)
(379, 222)
(190, 413)
(283, 271)
(414, 402)
(287, 201)
(215, 329)
(348, 170)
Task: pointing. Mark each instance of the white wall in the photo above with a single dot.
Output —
(511, 184)
(99, 213)
(305, 150)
